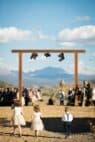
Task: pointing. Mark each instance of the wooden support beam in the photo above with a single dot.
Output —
(76, 78)
(20, 76)
(76, 69)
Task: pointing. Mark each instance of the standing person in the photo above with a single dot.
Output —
(26, 96)
(39, 95)
(17, 118)
(84, 93)
(93, 96)
(62, 97)
(67, 119)
(88, 94)
(71, 93)
(37, 123)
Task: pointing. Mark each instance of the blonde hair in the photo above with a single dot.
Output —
(17, 103)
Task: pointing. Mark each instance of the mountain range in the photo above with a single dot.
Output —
(46, 76)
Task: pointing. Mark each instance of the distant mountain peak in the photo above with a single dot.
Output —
(50, 69)
(46, 76)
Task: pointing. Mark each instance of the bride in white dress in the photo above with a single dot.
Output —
(37, 123)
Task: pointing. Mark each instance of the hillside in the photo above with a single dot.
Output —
(4, 84)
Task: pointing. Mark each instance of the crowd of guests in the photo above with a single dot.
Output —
(9, 95)
(85, 96)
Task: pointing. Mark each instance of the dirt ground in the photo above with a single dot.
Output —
(54, 131)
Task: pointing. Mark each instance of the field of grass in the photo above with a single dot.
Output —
(54, 131)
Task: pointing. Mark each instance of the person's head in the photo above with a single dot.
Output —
(66, 109)
(39, 90)
(17, 103)
(36, 108)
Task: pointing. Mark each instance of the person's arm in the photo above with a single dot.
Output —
(21, 111)
(71, 117)
(63, 118)
(41, 115)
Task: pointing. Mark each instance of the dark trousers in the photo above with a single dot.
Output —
(67, 127)
(61, 102)
(93, 102)
(26, 101)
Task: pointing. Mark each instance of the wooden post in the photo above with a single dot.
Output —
(76, 69)
(20, 76)
(76, 78)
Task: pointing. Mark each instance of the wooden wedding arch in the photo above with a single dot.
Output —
(20, 53)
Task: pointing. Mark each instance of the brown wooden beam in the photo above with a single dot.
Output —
(76, 78)
(76, 69)
(46, 50)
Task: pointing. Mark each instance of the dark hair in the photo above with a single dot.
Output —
(66, 109)
(36, 108)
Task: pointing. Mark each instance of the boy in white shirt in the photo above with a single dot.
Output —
(67, 119)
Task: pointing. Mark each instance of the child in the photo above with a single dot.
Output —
(37, 123)
(12, 117)
(17, 117)
(67, 119)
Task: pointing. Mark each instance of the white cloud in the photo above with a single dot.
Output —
(1, 60)
(4, 68)
(67, 44)
(88, 70)
(8, 34)
(4, 71)
(83, 18)
(13, 33)
(42, 36)
(93, 54)
(83, 35)
(83, 68)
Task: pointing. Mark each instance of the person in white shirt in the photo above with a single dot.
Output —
(93, 96)
(67, 119)
(62, 97)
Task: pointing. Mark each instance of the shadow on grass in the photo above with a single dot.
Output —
(4, 122)
(54, 124)
(79, 125)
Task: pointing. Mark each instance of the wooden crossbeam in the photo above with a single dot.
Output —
(47, 50)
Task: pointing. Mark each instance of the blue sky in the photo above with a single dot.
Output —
(52, 24)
